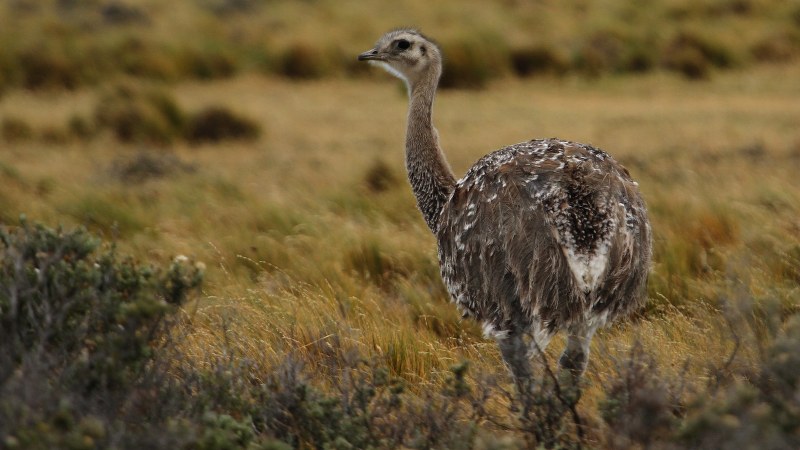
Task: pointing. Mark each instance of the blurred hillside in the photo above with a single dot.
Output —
(69, 43)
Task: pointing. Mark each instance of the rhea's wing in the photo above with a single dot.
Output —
(500, 257)
(530, 235)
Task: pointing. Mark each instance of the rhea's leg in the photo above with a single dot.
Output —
(515, 355)
(576, 354)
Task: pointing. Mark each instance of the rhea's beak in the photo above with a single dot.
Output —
(370, 55)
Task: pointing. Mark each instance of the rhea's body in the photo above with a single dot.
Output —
(537, 237)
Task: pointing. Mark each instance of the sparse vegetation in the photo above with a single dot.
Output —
(323, 321)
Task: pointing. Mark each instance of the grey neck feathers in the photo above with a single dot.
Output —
(428, 172)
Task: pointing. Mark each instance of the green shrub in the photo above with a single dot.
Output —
(79, 328)
(640, 407)
(758, 409)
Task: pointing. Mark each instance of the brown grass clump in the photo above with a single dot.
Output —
(694, 55)
(215, 124)
(140, 116)
(149, 165)
(380, 177)
(303, 60)
(534, 60)
(472, 61)
(14, 129)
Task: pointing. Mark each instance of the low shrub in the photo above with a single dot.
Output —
(80, 328)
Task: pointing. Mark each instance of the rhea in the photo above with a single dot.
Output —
(537, 237)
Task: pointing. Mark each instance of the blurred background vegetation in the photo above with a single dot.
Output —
(71, 43)
(308, 311)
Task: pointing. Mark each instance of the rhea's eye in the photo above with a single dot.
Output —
(403, 44)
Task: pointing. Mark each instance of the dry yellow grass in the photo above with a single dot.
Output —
(303, 257)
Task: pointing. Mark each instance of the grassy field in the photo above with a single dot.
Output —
(312, 242)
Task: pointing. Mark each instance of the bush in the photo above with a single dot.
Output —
(640, 406)
(80, 326)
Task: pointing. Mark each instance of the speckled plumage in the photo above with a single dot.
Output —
(537, 237)
(548, 233)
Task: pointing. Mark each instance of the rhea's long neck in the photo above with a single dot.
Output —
(428, 172)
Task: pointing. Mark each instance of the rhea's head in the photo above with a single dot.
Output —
(408, 55)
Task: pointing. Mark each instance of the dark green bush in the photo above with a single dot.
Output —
(79, 330)
(640, 406)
